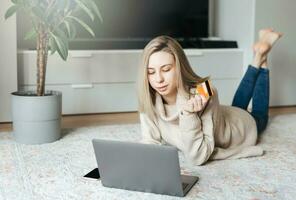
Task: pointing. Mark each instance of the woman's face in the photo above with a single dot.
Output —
(162, 73)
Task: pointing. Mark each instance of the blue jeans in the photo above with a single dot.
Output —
(255, 85)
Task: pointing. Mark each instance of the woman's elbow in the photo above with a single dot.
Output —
(199, 157)
(197, 161)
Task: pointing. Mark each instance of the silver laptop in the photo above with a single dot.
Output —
(141, 167)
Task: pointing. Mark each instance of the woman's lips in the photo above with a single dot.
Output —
(161, 89)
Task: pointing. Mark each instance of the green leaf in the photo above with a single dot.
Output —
(61, 46)
(53, 45)
(83, 24)
(31, 34)
(73, 30)
(95, 8)
(86, 9)
(11, 11)
(67, 25)
(61, 34)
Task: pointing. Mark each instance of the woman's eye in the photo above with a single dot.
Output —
(166, 69)
(150, 72)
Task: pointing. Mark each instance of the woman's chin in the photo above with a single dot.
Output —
(163, 93)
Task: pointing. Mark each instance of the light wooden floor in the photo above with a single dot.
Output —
(74, 121)
(123, 118)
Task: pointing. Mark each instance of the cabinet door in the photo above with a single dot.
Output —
(82, 67)
(115, 67)
(75, 70)
(218, 64)
(225, 68)
(99, 98)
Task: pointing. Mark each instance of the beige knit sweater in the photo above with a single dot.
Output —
(221, 132)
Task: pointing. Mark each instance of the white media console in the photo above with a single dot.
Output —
(102, 81)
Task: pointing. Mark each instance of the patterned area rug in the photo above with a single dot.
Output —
(55, 171)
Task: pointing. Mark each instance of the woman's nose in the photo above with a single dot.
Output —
(159, 77)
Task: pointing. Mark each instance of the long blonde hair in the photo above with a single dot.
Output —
(186, 77)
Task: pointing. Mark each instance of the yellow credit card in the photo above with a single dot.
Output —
(204, 88)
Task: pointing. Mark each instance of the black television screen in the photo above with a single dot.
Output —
(132, 23)
(150, 18)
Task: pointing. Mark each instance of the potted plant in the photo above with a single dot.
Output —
(36, 115)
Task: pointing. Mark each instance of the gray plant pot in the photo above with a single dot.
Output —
(36, 119)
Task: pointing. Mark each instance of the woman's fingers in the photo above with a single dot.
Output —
(189, 107)
(204, 100)
(195, 104)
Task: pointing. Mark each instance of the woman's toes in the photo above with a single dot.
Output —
(262, 32)
(269, 36)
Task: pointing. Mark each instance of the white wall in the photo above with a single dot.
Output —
(234, 20)
(281, 16)
(241, 20)
(8, 72)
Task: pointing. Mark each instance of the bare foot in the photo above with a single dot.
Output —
(261, 47)
(269, 36)
(260, 53)
(262, 32)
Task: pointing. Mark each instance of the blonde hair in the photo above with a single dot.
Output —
(186, 78)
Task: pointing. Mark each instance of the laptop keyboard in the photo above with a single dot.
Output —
(184, 185)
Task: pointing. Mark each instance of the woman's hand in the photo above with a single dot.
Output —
(195, 104)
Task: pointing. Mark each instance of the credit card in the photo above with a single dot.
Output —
(205, 89)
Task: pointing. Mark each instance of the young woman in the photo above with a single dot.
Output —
(202, 128)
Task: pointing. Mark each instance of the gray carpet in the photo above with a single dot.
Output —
(54, 171)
